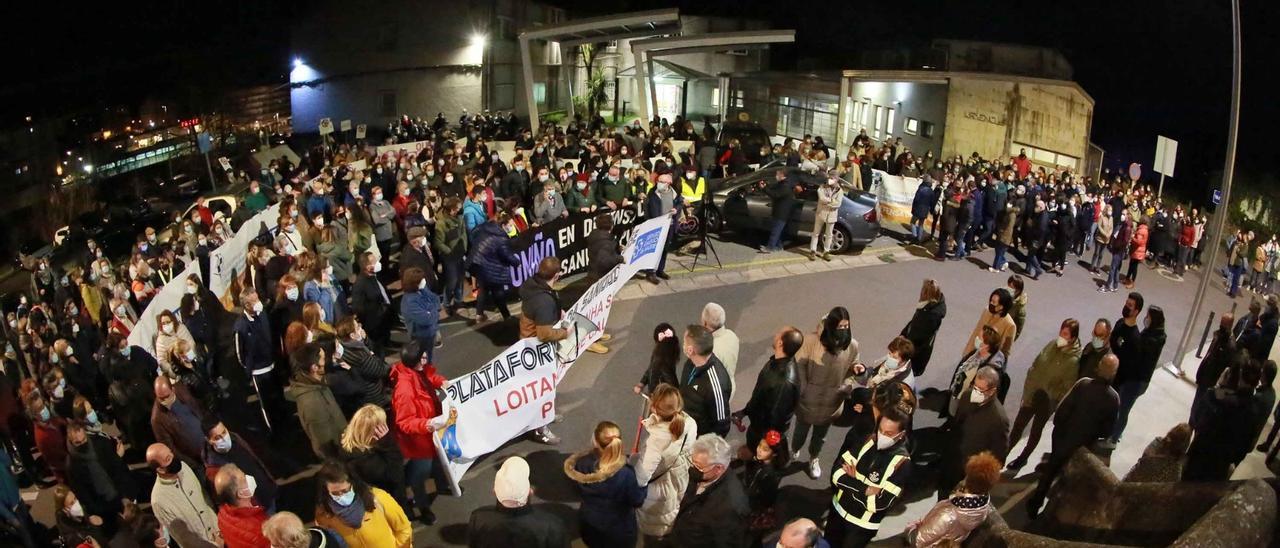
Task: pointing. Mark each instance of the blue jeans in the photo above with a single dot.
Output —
(1033, 263)
(1129, 393)
(416, 472)
(1000, 260)
(1097, 256)
(1113, 277)
(426, 338)
(1236, 273)
(988, 227)
(453, 283)
(775, 235)
(917, 228)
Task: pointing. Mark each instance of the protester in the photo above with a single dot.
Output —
(714, 508)
(704, 383)
(824, 364)
(318, 411)
(961, 511)
(978, 426)
(777, 389)
(830, 197)
(286, 530)
(662, 362)
(179, 502)
(997, 317)
(610, 493)
(420, 309)
(726, 341)
(1097, 348)
(1135, 371)
(226, 447)
(760, 474)
(363, 516)
(662, 464)
(415, 402)
(239, 517)
(987, 354)
(373, 455)
(1051, 376)
(923, 327)
(1225, 432)
(512, 521)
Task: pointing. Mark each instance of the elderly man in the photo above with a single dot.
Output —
(1087, 414)
(179, 502)
(512, 522)
(726, 341)
(797, 533)
(226, 447)
(714, 509)
(980, 424)
(239, 518)
(175, 420)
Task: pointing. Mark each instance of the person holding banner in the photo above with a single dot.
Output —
(414, 401)
(662, 201)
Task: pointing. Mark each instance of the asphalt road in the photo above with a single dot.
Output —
(880, 299)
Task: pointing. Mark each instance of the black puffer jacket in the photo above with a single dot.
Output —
(602, 253)
(368, 373)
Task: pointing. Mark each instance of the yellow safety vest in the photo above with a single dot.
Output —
(864, 520)
(694, 194)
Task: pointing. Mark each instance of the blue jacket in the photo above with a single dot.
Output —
(609, 499)
(319, 203)
(330, 301)
(421, 313)
(922, 204)
(254, 345)
(490, 254)
(10, 497)
(472, 215)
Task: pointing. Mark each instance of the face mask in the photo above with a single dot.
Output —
(976, 396)
(191, 355)
(291, 293)
(223, 444)
(125, 351)
(991, 308)
(167, 329)
(1062, 343)
(377, 197)
(76, 511)
(203, 242)
(843, 337)
(422, 284)
(1098, 342)
(345, 499)
(404, 192)
(44, 415)
(1124, 312)
(977, 342)
(257, 307)
(174, 466)
(695, 475)
(188, 229)
(890, 362)
(60, 390)
(883, 441)
(580, 185)
(377, 267)
(53, 358)
(251, 484)
(92, 417)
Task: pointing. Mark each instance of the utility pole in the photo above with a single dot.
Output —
(1220, 215)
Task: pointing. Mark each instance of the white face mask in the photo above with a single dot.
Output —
(1062, 342)
(1098, 342)
(291, 293)
(977, 342)
(975, 396)
(257, 307)
(167, 328)
(76, 511)
(883, 441)
(890, 362)
(422, 284)
(191, 289)
(251, 486)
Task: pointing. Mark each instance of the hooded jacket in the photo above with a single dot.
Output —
(414, 401)
(318, 412)
(951, 520)
(1053, 372)
(610, 497)
(663, 466)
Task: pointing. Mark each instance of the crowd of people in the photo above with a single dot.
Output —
(303, 338)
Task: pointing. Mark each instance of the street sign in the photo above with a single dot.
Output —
(1217, 196)
(226, 164)
(204, 143)
(360, 131)
(1135, 171)
(326, 126)
(344, 125)
(1166, 155)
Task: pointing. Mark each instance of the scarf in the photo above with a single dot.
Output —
(352, 514)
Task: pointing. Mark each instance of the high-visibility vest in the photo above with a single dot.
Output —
(693, 192)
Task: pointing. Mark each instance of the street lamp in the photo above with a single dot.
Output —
(479, 39)
(297, 62)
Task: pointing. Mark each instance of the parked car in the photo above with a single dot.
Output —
(741, 205)
(749, 134)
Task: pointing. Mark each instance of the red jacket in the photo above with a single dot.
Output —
(1188, 236)
(1139, 243)
(242, 527)
(52, 443)
(414, 401)
(1023, 165)
(206, 216)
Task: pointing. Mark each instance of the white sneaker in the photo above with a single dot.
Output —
(545, 436)
(795, 456)
(815, 469)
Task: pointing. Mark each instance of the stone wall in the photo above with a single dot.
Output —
(989, 116)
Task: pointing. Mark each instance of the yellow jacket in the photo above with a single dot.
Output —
(385, 525)
(93, 301)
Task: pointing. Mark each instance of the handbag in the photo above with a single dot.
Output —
(683, 440)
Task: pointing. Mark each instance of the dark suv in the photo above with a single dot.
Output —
(749, 134)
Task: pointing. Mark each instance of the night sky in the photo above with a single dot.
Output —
(1153, 67)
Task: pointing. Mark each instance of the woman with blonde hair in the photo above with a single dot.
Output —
(315, 319)
(610, 492)
(371, 452)
(286, 530)
(663, 464)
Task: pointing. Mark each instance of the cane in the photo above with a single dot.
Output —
(640, 423)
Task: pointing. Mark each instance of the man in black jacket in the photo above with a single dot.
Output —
(418, 255)
(714, 509)
(515, 185)
(254, 345)
(1220, 356)
(777, 389)
(602, 249)
(512, 522)
(370, 301)
(980, 424)
(704, 383)
(96, 473)
(1232, 418)
(782, 198)
(1087, 414)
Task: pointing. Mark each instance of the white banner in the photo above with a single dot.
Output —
(228, 259)
(896, 194)
(515, 392)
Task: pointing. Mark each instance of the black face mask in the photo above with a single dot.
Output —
(842, 338)
(695, 475)
(174, 466)
(1124, 312)
(991, 308)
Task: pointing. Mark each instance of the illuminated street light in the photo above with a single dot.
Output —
(297, 62)
(478, 39)
(88, 168)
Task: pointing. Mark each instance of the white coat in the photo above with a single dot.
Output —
(667, 460)
(829, 199)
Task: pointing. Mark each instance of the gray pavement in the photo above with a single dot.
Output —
(763, 292)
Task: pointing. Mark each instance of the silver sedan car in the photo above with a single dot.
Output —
(742, 206)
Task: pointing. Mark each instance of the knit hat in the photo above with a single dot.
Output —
(511, 484)
(417, 232)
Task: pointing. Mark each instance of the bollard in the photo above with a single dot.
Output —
(1204, 336)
